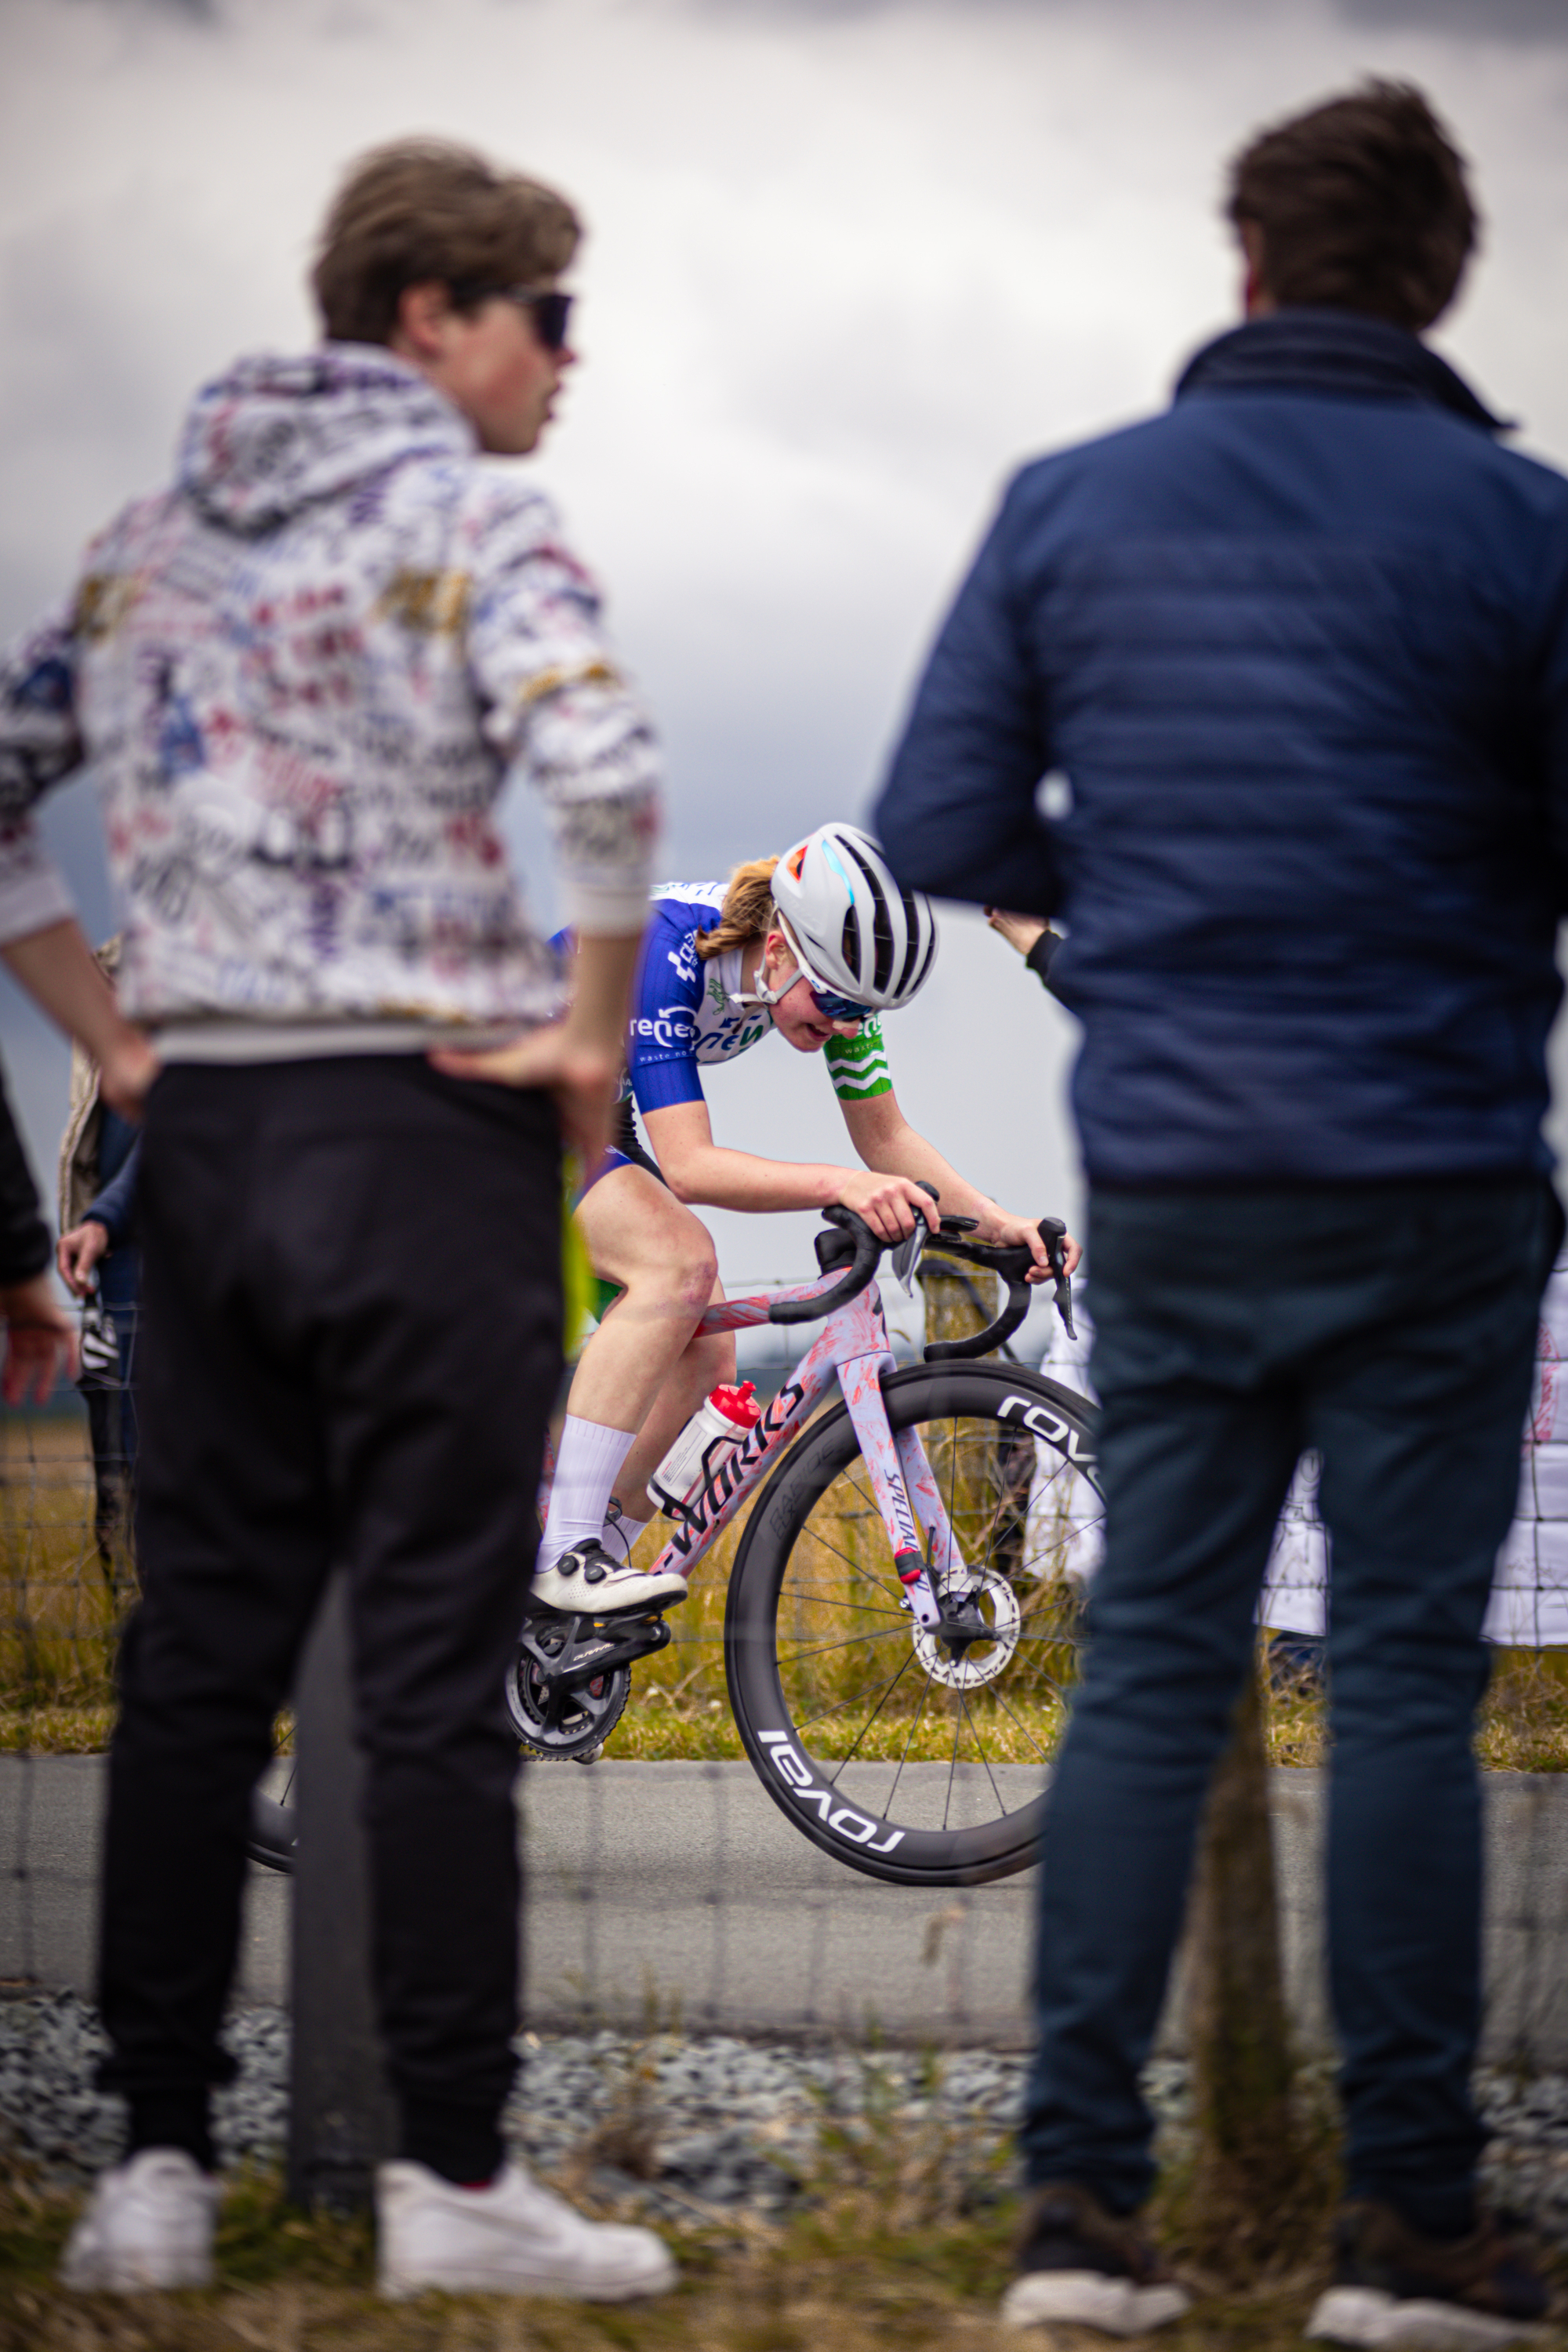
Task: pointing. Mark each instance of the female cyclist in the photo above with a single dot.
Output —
(814, 945)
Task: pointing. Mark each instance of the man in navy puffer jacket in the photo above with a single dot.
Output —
(1298, 650)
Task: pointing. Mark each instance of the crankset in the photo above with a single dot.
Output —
(570, 1680)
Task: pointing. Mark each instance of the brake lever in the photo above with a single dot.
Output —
(903, 1261)
(1053, 1233)
(907, 1256)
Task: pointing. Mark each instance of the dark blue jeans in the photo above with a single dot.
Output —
(1393, 1328)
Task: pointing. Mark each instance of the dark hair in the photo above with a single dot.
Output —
(421, 210)
(1359, 205)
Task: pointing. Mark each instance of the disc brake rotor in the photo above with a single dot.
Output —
(984, 1598)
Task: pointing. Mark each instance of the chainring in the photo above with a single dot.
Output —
(559, 1727)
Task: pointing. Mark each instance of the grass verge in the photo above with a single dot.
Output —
(862, 2270)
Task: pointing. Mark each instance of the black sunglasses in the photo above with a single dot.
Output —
(551, 311)
(837, 1008)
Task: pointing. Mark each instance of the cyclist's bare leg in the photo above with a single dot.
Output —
(638, 1234)
(701, 1367)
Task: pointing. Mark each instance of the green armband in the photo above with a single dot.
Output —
(858, 1065)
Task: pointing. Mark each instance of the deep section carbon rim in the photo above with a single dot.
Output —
(915, 1757)
(273, 1824)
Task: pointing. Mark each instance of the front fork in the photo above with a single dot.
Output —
(918, 1526)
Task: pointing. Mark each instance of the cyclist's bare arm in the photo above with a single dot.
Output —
(706, 1174)
(885, 1140)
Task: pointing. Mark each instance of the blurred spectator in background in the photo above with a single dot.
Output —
(99, 1263)
(40, 1339)
(1269, 696)
(303, 675)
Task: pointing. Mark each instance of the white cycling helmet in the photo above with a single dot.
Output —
(856, 935)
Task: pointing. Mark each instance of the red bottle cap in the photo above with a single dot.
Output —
(739, 1405)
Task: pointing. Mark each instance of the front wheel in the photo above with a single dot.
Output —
(910, 1755)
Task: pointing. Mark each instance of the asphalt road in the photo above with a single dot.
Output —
(680, 1890)
(668, 1889)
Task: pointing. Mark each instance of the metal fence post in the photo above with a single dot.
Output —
(341, 2121)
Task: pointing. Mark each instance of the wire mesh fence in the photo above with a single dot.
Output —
(665, 1891)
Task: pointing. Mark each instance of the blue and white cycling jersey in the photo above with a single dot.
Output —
(683, 1018)
(682, 1014)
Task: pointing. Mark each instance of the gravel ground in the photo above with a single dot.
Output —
(678, 2123)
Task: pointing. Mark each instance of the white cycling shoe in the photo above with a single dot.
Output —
(512, 2238)
(148, 2224)
(592, 1580)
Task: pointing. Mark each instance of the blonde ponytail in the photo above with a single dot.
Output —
(746, 912)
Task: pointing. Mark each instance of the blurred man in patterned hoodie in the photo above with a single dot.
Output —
(303, 676)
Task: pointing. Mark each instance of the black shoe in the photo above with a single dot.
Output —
(1392, 2286)
(1080, 2266)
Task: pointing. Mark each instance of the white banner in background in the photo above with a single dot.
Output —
(1530, 1594)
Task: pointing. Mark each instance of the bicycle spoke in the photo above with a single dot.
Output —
(909, 1741)
(817, 1598)
(842, 1707)
(963, 1713)
(871, 1719)
(1003, 1700)
(856, 1568)
(824, 1649)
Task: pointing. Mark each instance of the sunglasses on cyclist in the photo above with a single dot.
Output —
(551, 310)
(837, 1008)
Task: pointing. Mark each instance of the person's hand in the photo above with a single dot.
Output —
(1007, 1232)
(583, 1077)
(889, 1204)
(1020, 932)
(78, 1252)
(127, 1071)
(40, 1341)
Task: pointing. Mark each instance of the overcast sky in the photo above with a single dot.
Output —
(849, 261)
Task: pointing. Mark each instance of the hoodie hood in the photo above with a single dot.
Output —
(276, 435)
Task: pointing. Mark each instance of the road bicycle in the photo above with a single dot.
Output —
(902, 1623)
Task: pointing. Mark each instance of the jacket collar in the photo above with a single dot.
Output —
(1333, 352)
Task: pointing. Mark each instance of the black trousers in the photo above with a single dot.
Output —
(350, 1339)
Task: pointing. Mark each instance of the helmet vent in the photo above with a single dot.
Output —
(912, 934)
(881, 924)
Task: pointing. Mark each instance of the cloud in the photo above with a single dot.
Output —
(848, 264)
(1482, 20)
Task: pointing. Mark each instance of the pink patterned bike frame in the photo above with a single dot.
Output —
(852, 1347)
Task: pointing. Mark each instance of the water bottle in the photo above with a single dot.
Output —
(719, 1425)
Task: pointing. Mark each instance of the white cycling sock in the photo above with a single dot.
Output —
(585, 1465)
(619, 1535)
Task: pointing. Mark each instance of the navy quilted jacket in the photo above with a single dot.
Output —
(1298, 651)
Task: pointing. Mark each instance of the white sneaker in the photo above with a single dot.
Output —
(592, 1580)
(1115, 2306)
(148, 2223)
(512, 2238)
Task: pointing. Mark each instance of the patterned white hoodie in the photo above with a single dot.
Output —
(302, 677)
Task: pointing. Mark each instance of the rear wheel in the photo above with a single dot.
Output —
(911, 1756)
(272, 1817)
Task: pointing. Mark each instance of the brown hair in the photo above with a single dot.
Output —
(748, 904)
(1360, 205)
(421, 210)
